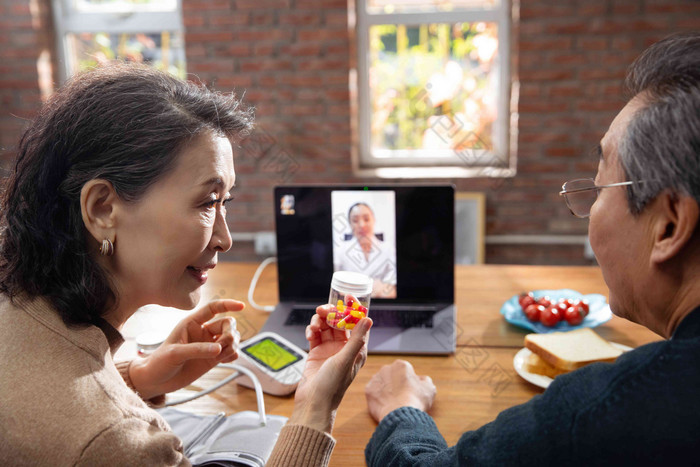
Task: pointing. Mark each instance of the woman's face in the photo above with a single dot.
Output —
(168, 240)
(362, 221)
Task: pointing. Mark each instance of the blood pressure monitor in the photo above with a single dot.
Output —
(276, 362)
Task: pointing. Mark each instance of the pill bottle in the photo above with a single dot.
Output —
(350, 294)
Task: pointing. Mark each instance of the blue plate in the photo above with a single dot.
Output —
(599, 311)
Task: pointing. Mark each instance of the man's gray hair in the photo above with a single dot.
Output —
(661, 146)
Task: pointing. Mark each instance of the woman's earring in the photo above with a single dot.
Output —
(107, 248)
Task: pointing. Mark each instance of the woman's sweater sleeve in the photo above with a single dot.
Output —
(123, 369)
(301, 446)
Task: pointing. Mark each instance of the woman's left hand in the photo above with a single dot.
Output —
(335, 357)
(197, 344)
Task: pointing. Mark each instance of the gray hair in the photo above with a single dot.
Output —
(661, 146)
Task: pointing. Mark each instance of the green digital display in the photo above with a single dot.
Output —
(271, 353)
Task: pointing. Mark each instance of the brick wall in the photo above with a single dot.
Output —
(26, 68)
(291, 59)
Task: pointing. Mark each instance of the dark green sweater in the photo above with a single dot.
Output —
(642, 410)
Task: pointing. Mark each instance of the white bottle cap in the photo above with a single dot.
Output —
(352, 282)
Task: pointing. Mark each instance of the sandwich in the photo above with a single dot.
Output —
(561, 352)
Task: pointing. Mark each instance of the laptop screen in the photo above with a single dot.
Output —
(401, 236)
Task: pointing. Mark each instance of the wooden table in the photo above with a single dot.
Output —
(473, 385)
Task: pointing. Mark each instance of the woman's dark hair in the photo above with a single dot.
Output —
(124, 123)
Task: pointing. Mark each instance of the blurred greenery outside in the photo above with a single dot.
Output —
(433, 86)
(161, 50)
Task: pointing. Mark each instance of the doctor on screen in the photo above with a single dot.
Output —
(366, 252)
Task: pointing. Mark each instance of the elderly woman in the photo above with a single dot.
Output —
(118, 200)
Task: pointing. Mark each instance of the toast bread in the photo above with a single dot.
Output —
(534, 364)
(571, 350)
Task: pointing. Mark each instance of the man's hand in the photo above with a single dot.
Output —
(397, 385)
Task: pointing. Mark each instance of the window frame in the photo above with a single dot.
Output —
(502, 162)
(69, 20)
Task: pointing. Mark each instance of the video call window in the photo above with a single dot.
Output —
(364, 237)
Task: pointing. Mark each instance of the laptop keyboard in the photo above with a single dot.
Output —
(405, 318)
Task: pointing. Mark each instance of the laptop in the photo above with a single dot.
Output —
(402, 236)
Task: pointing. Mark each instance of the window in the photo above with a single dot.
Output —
(433, 88)
(90, 32)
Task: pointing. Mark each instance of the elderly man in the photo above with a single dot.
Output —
(643, 207)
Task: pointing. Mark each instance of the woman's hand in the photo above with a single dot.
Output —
(197, 344)
(333, 362)
(398, 385)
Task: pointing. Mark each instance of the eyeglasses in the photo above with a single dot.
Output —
(581, 194)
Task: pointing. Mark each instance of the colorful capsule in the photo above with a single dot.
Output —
(332, 322)
(346, 313)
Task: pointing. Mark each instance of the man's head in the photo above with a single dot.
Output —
(662, 141)
(645, 235)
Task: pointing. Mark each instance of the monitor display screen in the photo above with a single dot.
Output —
(401, 236)
(364, 236)
(272, 353)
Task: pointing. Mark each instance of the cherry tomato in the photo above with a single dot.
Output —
(549, 316)
(574, 315)
(533, 312)
(544, 301)
(569, 302)
(562, 306)
(526, 299)
(585, 306)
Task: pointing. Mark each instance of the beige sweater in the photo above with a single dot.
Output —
(63, 401)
